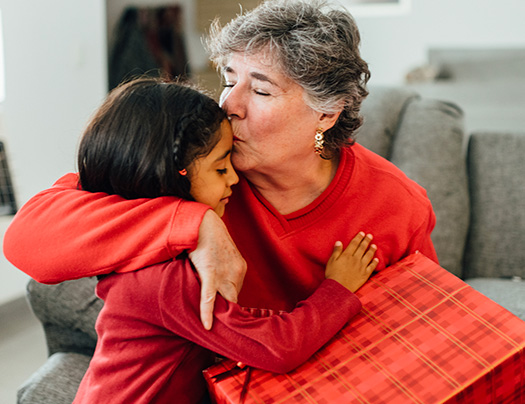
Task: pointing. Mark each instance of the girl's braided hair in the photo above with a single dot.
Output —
(146, 131)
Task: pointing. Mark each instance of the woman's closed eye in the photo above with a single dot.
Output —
(222, 171)
(257, 91)
(261, 92)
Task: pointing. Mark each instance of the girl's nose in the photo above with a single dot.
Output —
(233, 178)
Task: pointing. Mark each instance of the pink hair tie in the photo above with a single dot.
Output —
(183, 172)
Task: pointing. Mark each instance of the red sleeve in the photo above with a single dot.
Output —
(278, 343)
(65, 233)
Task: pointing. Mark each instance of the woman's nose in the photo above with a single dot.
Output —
(231, 102)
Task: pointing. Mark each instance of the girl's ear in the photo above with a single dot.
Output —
(327, 121)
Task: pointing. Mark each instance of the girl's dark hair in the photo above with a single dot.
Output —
(143, 134)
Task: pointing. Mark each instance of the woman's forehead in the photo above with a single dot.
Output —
(260, 66)
(262, 57)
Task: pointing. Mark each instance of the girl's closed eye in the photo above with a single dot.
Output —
(222, 171)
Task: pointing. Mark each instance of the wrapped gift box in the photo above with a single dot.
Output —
(423, 336)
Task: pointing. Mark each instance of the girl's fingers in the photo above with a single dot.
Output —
(352, 247)
(359, 248)
(363, 246)
(369, 254)
(337, 251)
(372, 266)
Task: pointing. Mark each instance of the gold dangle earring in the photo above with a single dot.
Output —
(319, 140)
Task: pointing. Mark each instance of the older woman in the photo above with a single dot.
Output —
(294, 82)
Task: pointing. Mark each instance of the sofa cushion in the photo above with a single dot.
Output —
(424, 138)
(497, 187)
(56, 382)
(428, 147)
(382, 110)
(506, 292)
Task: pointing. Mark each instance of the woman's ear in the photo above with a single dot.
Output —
(327, 121)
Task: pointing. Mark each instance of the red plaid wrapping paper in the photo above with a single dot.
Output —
(423, 336)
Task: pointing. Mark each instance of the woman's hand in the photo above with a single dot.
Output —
(219, 264)
(353, 266)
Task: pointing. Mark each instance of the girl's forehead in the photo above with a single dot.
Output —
(225, 131)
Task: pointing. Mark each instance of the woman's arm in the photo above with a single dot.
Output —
(64, 233)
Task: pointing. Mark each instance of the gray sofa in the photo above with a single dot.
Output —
(478, 194)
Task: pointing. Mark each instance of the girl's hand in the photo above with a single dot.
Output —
(353, 266)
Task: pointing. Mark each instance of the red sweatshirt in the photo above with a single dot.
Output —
(58, 234)
(152, 347)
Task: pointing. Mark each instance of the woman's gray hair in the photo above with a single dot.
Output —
(316, 45)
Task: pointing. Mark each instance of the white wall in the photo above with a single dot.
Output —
(55, 70)
(394, 44)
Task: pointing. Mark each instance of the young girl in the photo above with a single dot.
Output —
(155, 139)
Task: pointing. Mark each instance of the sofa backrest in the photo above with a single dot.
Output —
(424, 138)
(496, 241)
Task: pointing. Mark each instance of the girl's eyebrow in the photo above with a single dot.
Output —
(223, 156)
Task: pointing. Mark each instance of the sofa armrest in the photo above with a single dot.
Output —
(56, 382)
(68, 312)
